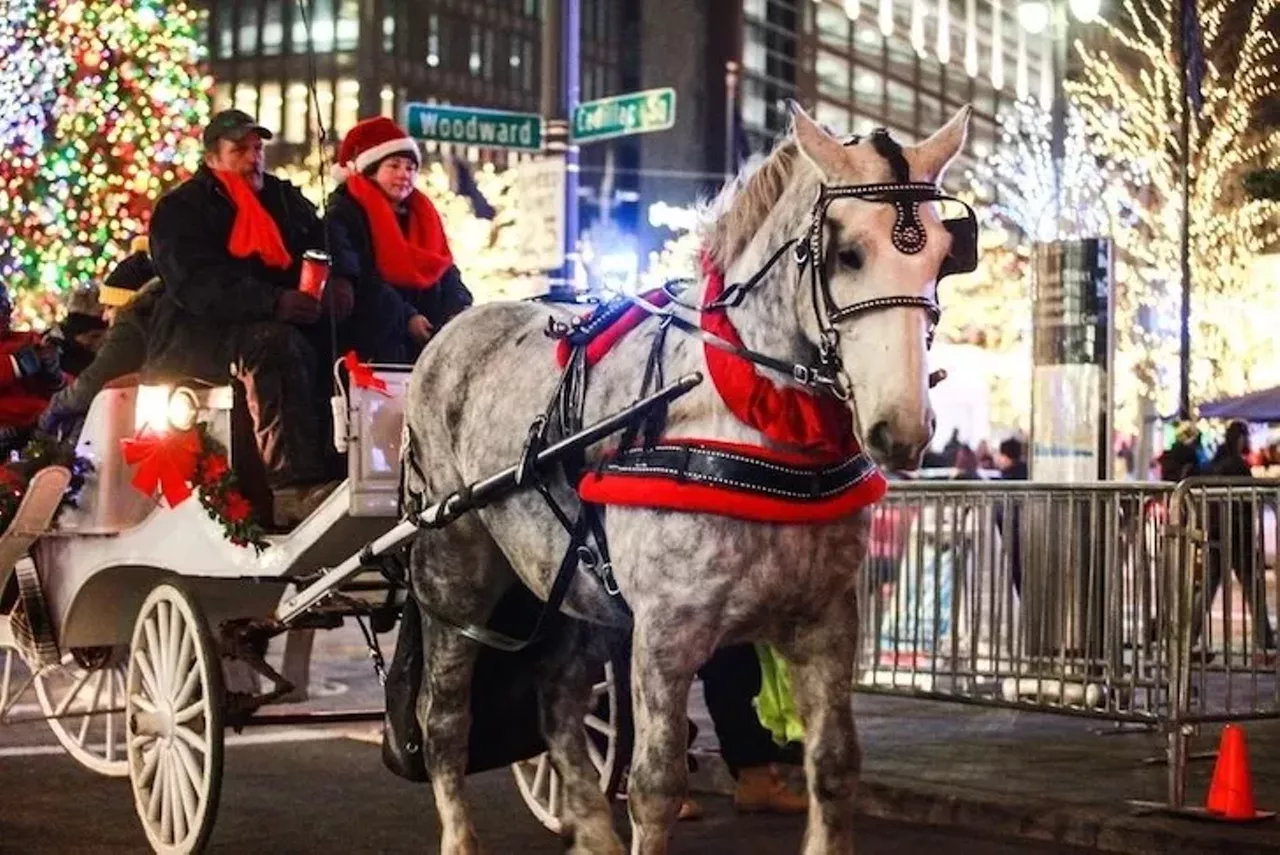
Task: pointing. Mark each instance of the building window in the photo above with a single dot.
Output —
(833, 75)
(247, 44)
(488, 54)
(868, 92)
(389, 34)
(348, 112)
(833, 26)
(295, 114)
(272, 27)
(221, 97)
(528, 63)
(348, 30)
(226, 45)
(867, 40)
(322, 25)
(473, 60)
(270, 105)
(246, 98)
(433, 40)
(902, 105)
(324, 98)
(532, 8)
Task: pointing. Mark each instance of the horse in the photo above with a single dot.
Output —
(822, 223)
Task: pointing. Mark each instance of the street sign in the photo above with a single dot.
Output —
(474, 126)
(539, 195)
(621, 115)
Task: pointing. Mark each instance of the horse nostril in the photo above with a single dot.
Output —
(879, 438)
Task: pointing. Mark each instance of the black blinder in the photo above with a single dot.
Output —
(963, 257)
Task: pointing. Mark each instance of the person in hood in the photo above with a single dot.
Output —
(128, 296)
(30, 372)
(388, 239)
(80, 334)
(229, 244)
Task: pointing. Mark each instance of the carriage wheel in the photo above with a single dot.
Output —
(174, 722)
(13, 679)
(609, 738)
(83, 700)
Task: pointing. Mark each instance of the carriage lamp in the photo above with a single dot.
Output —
(159, 408)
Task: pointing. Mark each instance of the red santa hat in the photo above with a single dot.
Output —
(369, 142)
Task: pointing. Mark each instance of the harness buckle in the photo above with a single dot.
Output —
(590, 561)
(804, 375)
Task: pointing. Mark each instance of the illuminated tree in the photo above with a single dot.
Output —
(109, 106)
(1130, 104)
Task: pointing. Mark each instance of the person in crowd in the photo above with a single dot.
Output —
(228, 244)
(80, 334)
(1010, 460)
(986, 460)
(128, 295)
(1182, 458)
(966, 465)
(30, 372)
(388, 239)
(730, 682)
(1233, 542)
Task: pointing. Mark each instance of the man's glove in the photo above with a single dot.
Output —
(341, 296)
(294, 307)
(26, 361)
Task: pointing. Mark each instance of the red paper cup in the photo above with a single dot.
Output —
(315, 273)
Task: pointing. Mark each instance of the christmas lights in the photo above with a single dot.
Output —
(104, 104)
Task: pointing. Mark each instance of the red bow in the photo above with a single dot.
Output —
(362, 375)
(167, 461)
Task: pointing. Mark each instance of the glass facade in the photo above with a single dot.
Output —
(855, 78)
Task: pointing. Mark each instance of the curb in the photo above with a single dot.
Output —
(1100, 827)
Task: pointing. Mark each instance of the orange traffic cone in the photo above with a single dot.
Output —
(1231, 791)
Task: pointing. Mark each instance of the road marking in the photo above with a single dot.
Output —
(283, 736)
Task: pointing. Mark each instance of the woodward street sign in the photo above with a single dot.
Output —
(474, 126)
(636, 113)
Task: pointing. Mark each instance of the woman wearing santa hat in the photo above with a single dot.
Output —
(382, 230)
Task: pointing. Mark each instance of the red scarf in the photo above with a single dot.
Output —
(417, 261)
(786, 415)
(254, 231)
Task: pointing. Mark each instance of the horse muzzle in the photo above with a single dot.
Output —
(899, 444)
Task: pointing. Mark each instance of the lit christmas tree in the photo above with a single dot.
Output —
(109, 108)
(1131, 111)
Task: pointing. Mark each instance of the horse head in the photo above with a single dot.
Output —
(864, 221)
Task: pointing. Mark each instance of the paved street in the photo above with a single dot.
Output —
(323, 789)
(331, 795)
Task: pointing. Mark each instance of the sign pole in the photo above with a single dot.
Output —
(560, 93)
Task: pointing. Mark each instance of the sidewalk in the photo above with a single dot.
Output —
(1035, 776)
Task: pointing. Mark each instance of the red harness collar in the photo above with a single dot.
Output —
(819, 428)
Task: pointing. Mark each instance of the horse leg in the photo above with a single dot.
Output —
(564, 699)
(444, 700)
(668, 649)
(822, 662)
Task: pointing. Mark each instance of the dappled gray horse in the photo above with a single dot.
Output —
(693, 581)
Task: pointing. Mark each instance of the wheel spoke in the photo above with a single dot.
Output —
(599, 725)
(187, 713)
(177, 801)
(540, 776)
(148, 674)
(155, 654)
(144, 704)
(173, 643)
(147, 777)
(191, 738)
(153, 800)
(553, 794)
(189, 685)
(599, 689)
(185, 655)
(192, 769)
(71, 695)
(597, 759)
(110, 724)
(164, 784)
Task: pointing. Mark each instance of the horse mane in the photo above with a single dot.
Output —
(737, 213)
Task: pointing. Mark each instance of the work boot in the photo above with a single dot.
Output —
(762, 790)
(293, 504)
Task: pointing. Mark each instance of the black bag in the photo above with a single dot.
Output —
(504, 698)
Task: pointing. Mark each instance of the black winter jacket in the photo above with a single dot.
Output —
(207, 290)
(381, 319)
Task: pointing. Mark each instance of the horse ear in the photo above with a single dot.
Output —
(930, 159)
(823, 150)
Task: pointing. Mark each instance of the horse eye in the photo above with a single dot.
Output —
(850, 258)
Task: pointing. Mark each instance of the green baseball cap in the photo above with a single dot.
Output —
(232, 125)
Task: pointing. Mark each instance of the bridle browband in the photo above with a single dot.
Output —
(807, 250)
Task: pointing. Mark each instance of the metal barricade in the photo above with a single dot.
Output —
(1092, 600)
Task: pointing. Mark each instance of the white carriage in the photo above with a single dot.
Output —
(131, 608)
